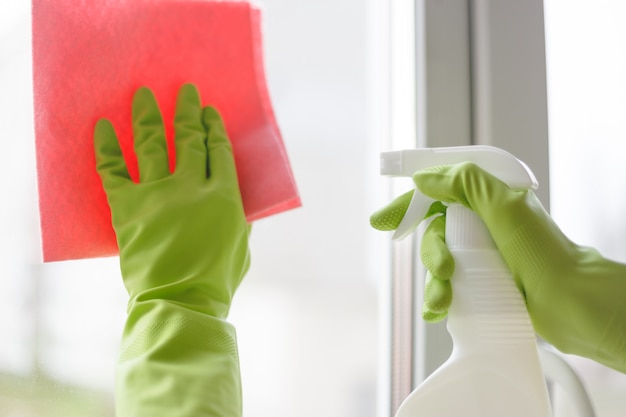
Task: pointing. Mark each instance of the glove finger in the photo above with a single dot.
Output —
(437, 299)
(432, 317)
(500, 207)
(149, 133)
(221, 159)
(435, 209)
(110, 162)
(465, 183)
(190, 134)
(434, 252)
(390, 216)
(437, 294)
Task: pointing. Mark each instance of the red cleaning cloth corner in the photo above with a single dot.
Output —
(89, 57)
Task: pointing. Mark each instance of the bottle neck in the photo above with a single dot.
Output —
(487, 308)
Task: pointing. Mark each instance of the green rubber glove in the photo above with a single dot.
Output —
(183, 241)
(575, 297)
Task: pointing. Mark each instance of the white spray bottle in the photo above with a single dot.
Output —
(494, 369)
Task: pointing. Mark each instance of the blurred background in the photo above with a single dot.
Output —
(586, 71)
(308, 313)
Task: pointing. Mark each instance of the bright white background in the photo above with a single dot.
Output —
(586, 63)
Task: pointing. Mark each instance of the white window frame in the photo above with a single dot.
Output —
(460, 72)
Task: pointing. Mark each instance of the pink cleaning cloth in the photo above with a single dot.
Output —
(90, 56)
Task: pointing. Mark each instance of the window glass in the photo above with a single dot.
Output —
(586, 62)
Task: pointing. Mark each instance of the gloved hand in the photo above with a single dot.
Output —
(183, 241)
(576, 298)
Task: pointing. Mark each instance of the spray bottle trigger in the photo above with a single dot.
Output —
(418, 207)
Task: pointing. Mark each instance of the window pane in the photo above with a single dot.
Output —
(586, 60)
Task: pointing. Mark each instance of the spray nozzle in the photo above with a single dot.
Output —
(496, 161)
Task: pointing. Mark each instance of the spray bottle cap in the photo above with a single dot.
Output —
(496, 161)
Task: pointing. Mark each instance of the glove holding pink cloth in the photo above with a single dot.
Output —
(90, 57)
(183, 240)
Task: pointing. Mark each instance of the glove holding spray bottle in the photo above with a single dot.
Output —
(488, 317)
(575, 297)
